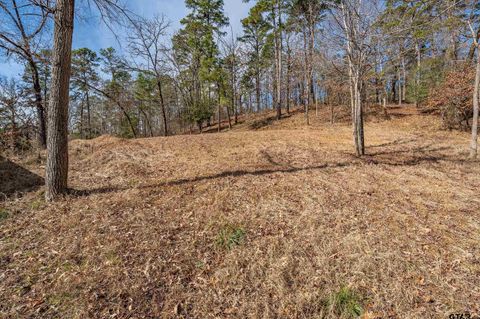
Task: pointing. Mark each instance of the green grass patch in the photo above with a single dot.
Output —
(230, 236)
(346, 303)
(4, 214)
(37, 204)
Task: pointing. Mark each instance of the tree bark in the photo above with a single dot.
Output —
(57, 139)
(476, 97)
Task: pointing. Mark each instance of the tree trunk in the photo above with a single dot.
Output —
(82, 135)
(234, 94)
(250, 103)
(418, 75)
(384, 105)
(218, 111)
(42, 128)
(148, 125)
(404, 82)
(476, 97)
(229, 117)
(471, 52)
(238, 107)
(278, 56)
(358, 119)
(89, 118)
(56, 174)
(162, 105)
(399, 87)
(289, 71)
(257, 91)
(306, 86)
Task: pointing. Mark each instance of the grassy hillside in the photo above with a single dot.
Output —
(269, 220)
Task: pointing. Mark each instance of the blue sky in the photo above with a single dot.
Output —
(90, 32)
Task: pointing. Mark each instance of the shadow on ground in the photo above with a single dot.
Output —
(418, 155)
(16, 179)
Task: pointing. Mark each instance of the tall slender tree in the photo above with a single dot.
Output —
(308, 13)
(84, 77)
(255, 33)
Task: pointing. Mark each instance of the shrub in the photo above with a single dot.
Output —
(453, 99)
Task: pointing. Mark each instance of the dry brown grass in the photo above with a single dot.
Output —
(398, 229)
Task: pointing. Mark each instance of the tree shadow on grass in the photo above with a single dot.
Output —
(420, 155)
(15, 179)
(235, 173)
(264, 122)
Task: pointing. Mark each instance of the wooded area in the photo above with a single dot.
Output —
(308, 53)
(318, 90)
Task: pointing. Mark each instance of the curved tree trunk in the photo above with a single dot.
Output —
(42, 128)
(57, 140)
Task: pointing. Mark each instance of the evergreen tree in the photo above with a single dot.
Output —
(84, 77)
(197, 54)
(255, 34)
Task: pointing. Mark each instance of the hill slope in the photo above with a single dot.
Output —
(278, 222)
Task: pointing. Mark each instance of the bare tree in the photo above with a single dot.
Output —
(22, 24)
(356, 19)
(10, 95)
(147, 46)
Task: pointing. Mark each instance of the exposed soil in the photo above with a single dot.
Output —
(141, 234)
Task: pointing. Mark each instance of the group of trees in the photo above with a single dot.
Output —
(307, 53)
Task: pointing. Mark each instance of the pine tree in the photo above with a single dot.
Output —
(255, 34)
(84, 77)
(196, 51)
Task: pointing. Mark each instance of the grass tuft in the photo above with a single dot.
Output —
(4, 214)
(37, 204)
(230, 236)
(346, 303)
